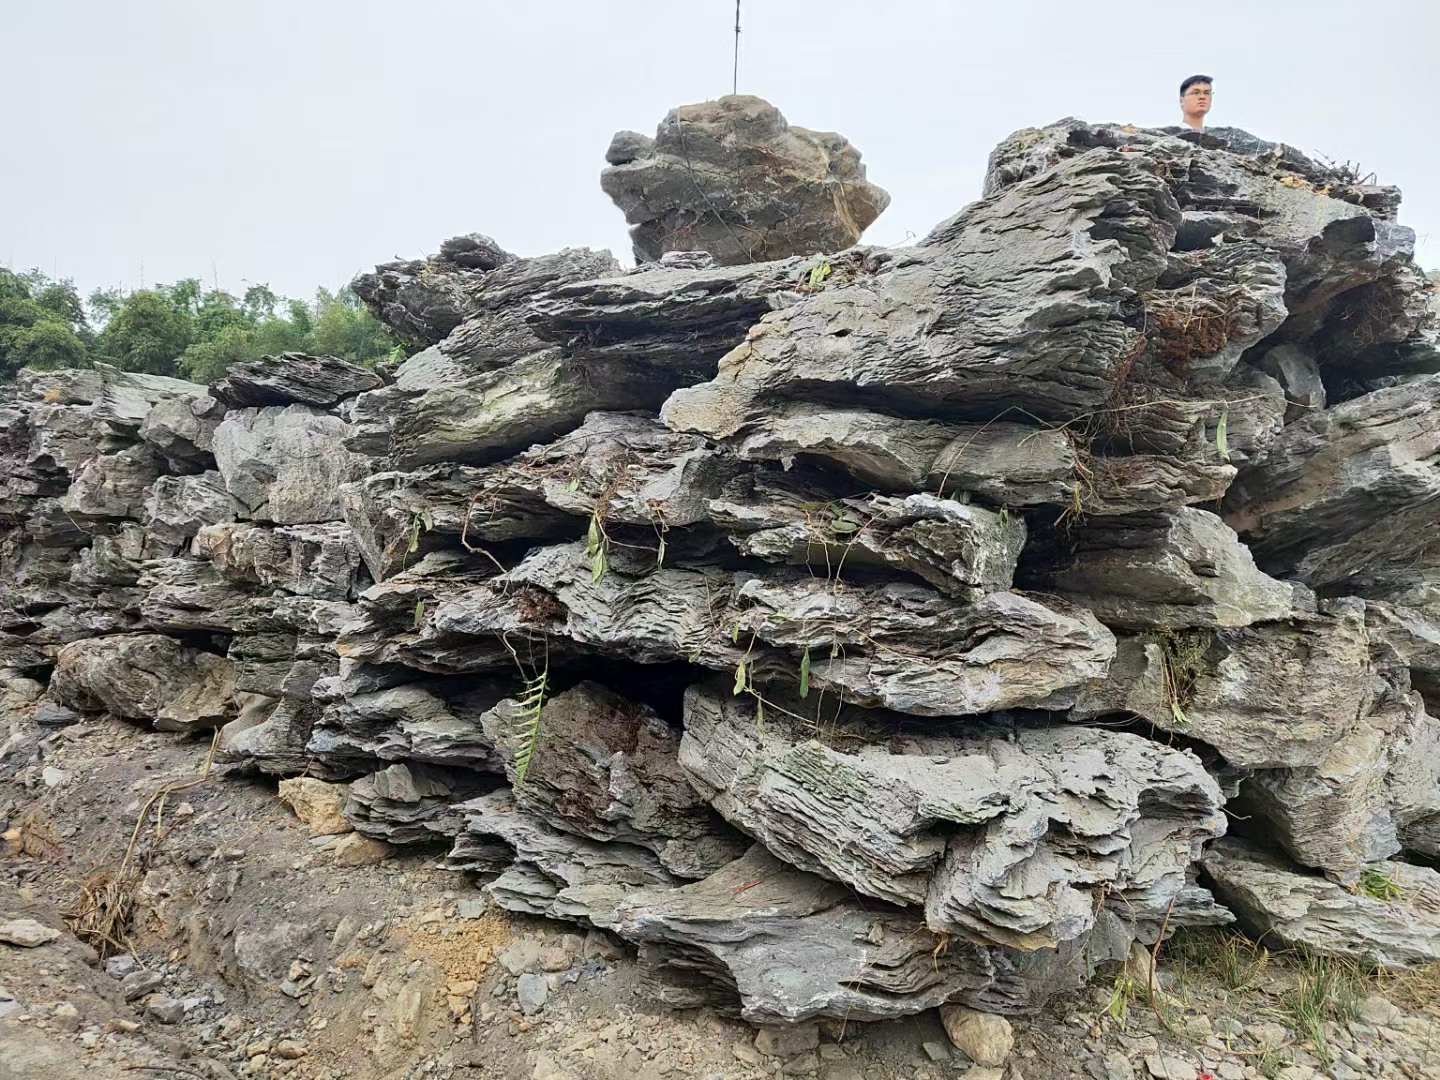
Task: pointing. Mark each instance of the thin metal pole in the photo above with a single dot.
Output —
(735, 75)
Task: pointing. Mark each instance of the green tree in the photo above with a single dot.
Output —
(206, 361)
(42, 323)
(344, 328)
(148, 332)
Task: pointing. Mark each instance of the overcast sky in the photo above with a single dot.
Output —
(296, 142)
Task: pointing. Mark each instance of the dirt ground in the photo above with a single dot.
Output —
(257, 955)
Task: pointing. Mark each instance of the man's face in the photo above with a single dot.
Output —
(1196, 99)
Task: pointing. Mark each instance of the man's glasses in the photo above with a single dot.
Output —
(1199, 93)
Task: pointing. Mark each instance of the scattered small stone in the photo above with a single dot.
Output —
(470, 909)
(128, 1027)
(554, 959)
(139, 983)
(1269, 1034)
(66, 1016)
(531, 991)
(1170, 1067)
(117, 967)
(289, 1048)
(26, 933)
(936, 1051)
(166, 1010)
(356, 849)
(747, 1054)
(521, 956)
(985, 1038)
(831, 1052)
(1378, 1011)
(785, 1042)
(52, 777)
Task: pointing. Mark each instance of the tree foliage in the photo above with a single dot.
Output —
(42, 323)
(178, 329)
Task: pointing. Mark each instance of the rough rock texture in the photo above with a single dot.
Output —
(1270, 695)
(284, 463)
(947, 822)
(995, 544)
(1158, 571)
(1298, 909)
(610, 770)
(732, 178)
(145, 677)
(293, 378)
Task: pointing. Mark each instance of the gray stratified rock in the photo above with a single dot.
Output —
(400, 804)
(186, 594)
(546, 871)
(793, 946)
(1299, 375)
(1158, 571)
(947, 821)
(145, 677)
(960, 549)
(732, 178)
(292, 377)
(636, 471)
(490, 415)
(1270, 695)
(901, 646)
(319, 560)
(113, 485)
(608, 769)
(1340, 493)
(411, 723)
(182, 428)
(179, 506)
(284, 463)
(424, 299)
(681, 317)
(1405, 617)
(1041, 330)
(1298, 909)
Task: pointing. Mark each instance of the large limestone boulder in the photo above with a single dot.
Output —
(733, 178)
(145, 677)
(284, 463)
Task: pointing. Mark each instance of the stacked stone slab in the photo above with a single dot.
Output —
(852, 632)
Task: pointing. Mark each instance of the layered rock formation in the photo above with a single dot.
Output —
(852, 633)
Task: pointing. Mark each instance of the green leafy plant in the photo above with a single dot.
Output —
(1376, 883)
(532, 701)
(595, 544)
(805, 673)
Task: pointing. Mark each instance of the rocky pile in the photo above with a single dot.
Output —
(853, 633)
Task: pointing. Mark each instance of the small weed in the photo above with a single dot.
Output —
(1376, 883)
(1124, 991)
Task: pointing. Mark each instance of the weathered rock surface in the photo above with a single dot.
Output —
(493, 592)
(1305, 910)
(145, 677)
(899, 645)
(1271, 695)
(319, 560)
(1321, 501)
(609, 769)
(794, 946)
(947, 821)
(732, 178)
(293, 378)
(284, 463)
(1159, 571)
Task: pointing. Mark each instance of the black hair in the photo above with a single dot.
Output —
(1192, 80)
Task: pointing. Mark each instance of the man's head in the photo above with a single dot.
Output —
(1196, 95)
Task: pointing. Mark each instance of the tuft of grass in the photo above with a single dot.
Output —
(1231, 959)
(1122, 993)
(1325, 988)
(1411, 988)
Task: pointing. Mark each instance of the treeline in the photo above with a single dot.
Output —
(181, 329)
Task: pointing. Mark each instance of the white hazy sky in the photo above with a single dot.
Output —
(296, 142)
